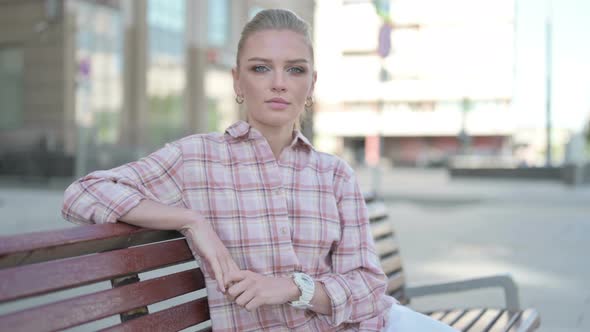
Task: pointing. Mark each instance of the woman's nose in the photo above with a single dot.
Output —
(278, 83)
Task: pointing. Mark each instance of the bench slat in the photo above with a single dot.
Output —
(452, 316)
(438, 315)
(171, 319)
(386, 246)
(530, 320)
(381, 228)
(86, 308)
(40, 278)
(76, 241)
(391, 264)
(395, 282)
(468, 319)
(377, 211)
(506, 320)
(527, 320)
(487, 320)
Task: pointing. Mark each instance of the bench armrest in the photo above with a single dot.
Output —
(503, 281)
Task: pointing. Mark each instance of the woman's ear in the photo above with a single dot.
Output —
(314, 78)
(236, 77)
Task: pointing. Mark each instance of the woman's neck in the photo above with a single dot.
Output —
(277, 137)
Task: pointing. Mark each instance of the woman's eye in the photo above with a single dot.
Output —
(296, 70)
(260, 69)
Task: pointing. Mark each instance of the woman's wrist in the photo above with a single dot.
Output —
(194, 221)
(293, 291)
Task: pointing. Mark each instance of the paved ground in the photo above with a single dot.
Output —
(536, 231)
(448, 229)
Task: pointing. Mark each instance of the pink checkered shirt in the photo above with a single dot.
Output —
(304, 212)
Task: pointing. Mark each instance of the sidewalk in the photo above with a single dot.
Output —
(448, 229)
(534, 230)
(31, 208)
(435, 187)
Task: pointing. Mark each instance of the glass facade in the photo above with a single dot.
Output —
(218, 24)
(166, 21)
(166, 70)
(98, 94)
(99, 76)
(11, 87)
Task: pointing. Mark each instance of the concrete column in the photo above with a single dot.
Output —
(134, 113)
(196, 110)
(69, 62)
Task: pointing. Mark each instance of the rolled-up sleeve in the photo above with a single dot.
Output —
(105, 196)
(357, 285)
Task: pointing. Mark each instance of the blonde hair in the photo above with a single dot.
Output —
(276, 19)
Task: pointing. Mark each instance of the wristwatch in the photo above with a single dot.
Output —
(306, 286)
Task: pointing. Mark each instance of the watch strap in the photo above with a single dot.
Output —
(306, 286)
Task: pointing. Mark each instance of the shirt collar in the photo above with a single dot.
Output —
(242, 130)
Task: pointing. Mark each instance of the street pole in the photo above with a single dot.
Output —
(383, 49)
(548, 70)
(376, 183)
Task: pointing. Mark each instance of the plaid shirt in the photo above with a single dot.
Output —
(304, 212)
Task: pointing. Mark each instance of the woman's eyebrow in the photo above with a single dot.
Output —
(297, 61)
(257, 59)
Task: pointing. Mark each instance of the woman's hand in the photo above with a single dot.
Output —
(200, 236)
(250, 290)
(205, 243)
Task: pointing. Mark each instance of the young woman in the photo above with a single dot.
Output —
(280, 230)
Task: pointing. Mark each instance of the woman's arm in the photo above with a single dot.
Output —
(251, 290)
(200, 236)
(105, 196)
(148, 193)
(356, 287)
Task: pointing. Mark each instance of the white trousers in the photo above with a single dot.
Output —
(404, 319)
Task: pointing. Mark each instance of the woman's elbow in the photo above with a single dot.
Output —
(71, 209)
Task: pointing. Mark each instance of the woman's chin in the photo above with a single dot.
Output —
(276, 120)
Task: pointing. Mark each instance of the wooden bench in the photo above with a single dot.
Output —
(89, 277)
(510, 318)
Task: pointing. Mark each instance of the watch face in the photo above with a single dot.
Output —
(306, 280)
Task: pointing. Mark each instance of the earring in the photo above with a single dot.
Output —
(239, 99)
(308, 102)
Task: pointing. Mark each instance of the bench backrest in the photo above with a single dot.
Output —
(387, 246)
(41, 275)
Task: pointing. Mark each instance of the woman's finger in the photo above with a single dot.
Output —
(254, 303)
(245, 297)
(236, 289)
(235, 277)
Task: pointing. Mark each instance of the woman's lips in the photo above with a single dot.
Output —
(278, 103)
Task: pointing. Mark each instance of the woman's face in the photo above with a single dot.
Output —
(275, 76)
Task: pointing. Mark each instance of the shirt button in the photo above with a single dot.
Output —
(279, 191)
(284, 230)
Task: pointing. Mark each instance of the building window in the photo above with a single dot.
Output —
(11, 87)
(166, 20)
(166, 74)
(218, 23)
(99, 55)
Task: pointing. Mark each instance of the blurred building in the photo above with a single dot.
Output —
(444, 88)
(90, 84)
